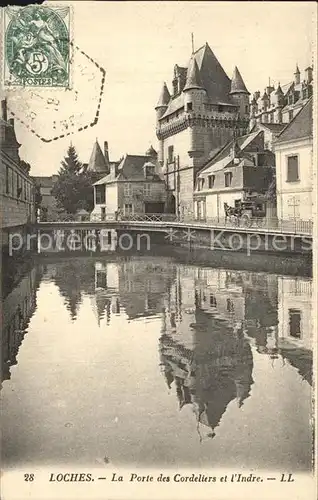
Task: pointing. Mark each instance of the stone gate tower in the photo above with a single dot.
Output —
(203, 112)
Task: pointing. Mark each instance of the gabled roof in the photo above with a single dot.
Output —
(130, 168)
(193, 76)
(301, 126)
(213, 77)
(237, 83)
(225, 156)
(97, 162)
(273, 127)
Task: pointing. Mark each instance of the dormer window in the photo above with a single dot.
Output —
(189, 106)
(149, 170)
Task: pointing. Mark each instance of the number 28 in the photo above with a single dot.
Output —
(28, 477)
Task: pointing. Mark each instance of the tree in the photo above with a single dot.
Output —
(26, 166)
(73, 189)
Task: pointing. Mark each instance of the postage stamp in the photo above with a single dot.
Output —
(54, 113)
(36, 46)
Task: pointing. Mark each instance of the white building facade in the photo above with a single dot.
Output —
(294, 168)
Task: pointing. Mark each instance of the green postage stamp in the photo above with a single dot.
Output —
(36, 46)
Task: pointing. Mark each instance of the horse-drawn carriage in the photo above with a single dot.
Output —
(247, 212)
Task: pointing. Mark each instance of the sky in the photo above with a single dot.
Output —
(138, 44)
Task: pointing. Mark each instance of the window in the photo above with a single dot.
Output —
(213, 302)
(100, 194)
(147, 189)
(246, 109)
(127, 189)
(101, 280)
(13, 182)
(290, 115)
(220, 109)
(228, 179)
(295, 323)
(272, 118)
(211, 179)
(290, 99)
(189, 106)
(292, 168)
(170, 154)
(8, 170)
(149, 170)
(128, 209)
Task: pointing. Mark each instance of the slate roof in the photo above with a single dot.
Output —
(300, 126)
(273, 127)
(225, 156)
(164, 97)
(210, 75)
(7, 134)
(130, 168)
(97, 162)
(175, 104)
(193, 76)
(237, 83)
(214, 79)
(286, 87)
(45, 181)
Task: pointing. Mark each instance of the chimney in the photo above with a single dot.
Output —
(4, 110)
(308, 72)
(257, 95)
(106, 152)
(11, 122)
(113, 169)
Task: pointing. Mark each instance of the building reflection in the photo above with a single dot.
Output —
(295, 327)
(18, 306)
(135, 287)
(203, 352)
(212, 317)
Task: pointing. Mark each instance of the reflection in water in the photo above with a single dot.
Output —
(18, 306)
(225, 339)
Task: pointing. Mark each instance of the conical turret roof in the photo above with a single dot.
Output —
(164, 97)
(279, 90)
(97, 162)
(193, 76)
(237, 83)
(297, 69)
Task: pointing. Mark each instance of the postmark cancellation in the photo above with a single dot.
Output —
(36, 46)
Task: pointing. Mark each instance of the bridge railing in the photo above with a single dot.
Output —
(295, 226)
(291, 226)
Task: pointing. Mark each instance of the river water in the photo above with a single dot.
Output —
(149, 361)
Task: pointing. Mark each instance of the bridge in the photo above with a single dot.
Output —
(267, 235)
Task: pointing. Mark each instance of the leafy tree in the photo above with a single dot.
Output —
(25, 165)
(73, 188)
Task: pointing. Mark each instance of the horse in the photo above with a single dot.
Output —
(232, 212)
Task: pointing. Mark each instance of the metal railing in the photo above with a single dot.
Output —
(287, 226)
